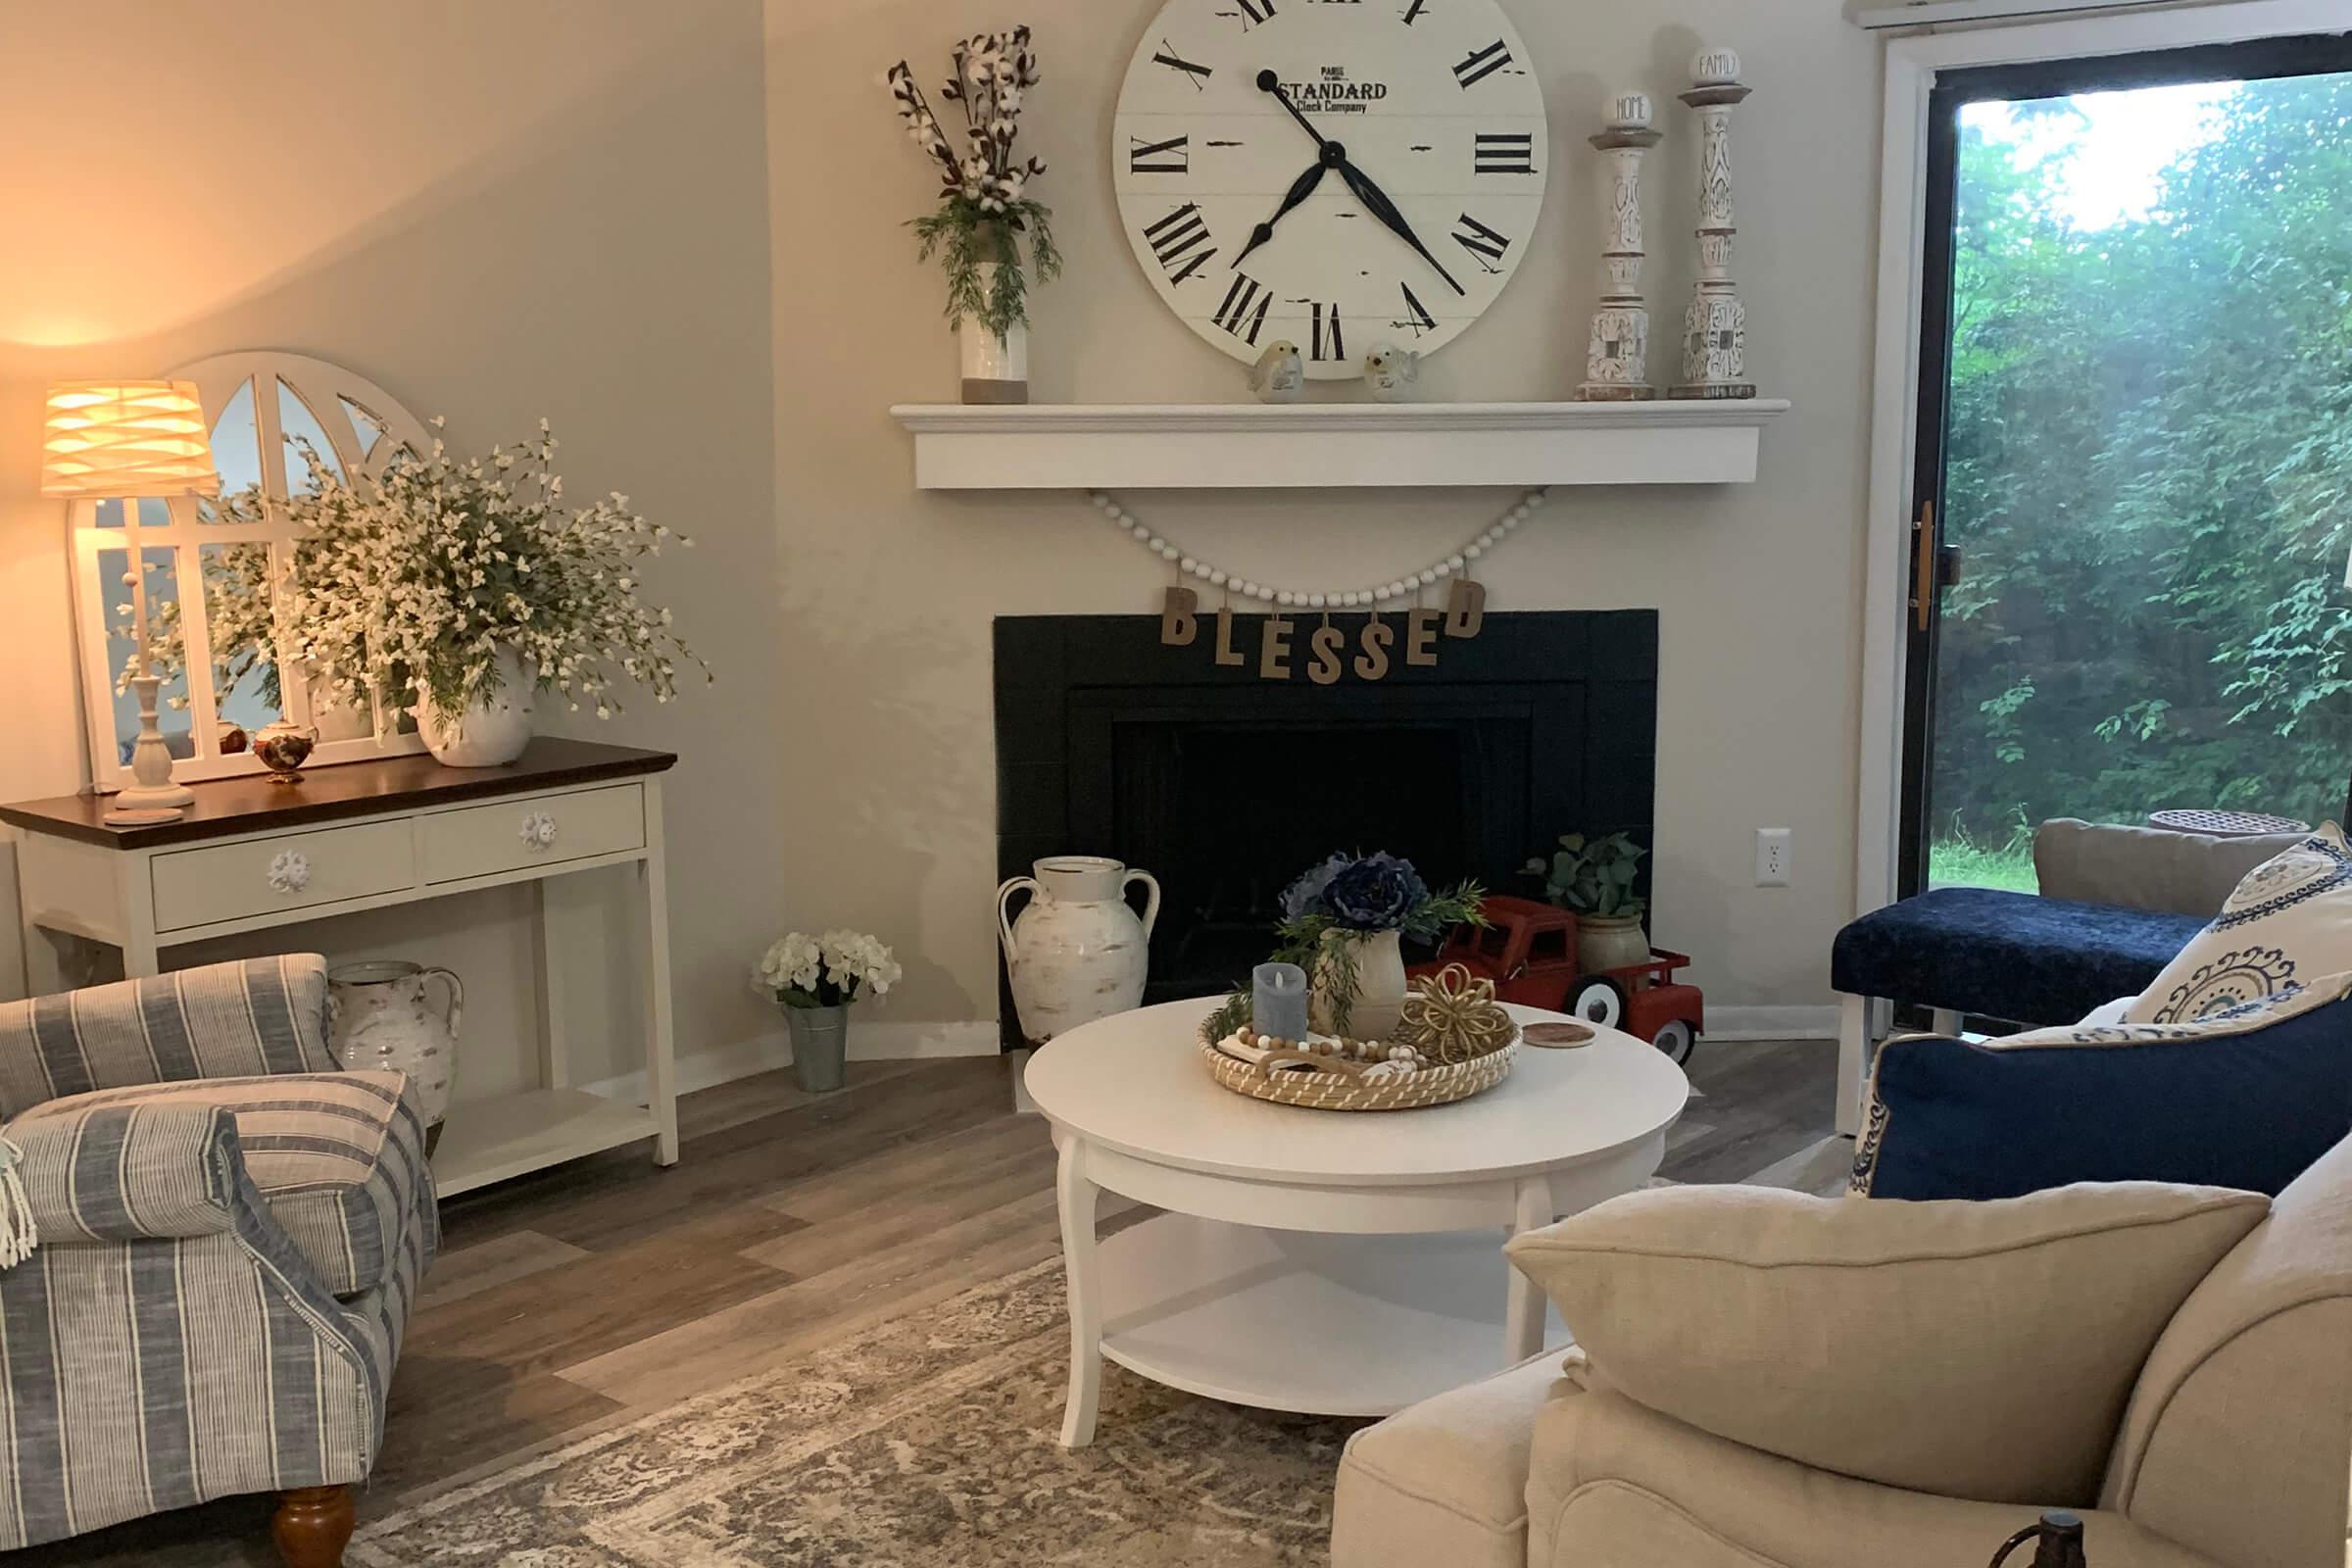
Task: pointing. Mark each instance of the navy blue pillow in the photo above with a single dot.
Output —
(2246, 1097)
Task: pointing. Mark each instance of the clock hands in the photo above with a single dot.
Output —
(1267, 81)
(1300, 188)
(1335, 155)
(1377, 200)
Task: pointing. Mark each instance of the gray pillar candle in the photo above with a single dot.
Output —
(1278, 1000)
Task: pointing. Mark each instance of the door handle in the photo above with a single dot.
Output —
(1922, 566)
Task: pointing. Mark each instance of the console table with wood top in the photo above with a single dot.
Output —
(251, 854)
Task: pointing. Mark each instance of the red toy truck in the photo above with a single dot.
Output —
(1529, 951)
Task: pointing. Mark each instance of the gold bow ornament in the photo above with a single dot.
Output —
(1453, 1016)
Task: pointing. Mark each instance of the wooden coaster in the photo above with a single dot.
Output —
(141, 817)
(1556, 1036)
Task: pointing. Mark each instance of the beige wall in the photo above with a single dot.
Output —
(505, 208)
(890, 593)
(497, 209)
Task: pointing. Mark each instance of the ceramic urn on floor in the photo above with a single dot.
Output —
(1078, 951)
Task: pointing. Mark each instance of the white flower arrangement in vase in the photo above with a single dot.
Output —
(814, 979)
(460, 585)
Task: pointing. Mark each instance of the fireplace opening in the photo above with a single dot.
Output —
(1225, 787)
(1241, 825)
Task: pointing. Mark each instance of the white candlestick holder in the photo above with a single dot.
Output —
(1617, 351)
(1715, 327)
(151, 796)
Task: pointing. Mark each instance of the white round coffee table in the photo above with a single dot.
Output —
(1335, 1262)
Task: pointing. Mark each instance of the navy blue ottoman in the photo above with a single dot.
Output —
(2017, 957)
(2013, 955)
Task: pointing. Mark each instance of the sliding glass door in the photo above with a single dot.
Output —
(2133, 502)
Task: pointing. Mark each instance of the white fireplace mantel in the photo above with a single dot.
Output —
(1333, 445)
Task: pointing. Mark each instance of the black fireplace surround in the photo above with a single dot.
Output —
(1225, 786)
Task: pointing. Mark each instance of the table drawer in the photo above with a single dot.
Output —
(532, 830)
(291, 871)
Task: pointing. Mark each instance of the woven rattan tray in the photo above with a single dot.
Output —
(1321, 1090)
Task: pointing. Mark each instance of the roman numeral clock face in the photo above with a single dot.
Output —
(1336, 173)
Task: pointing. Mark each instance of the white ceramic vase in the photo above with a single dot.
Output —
(1379, 1003)
(489, 732)
(1078, 951)
(381, 1018)
(996, 370)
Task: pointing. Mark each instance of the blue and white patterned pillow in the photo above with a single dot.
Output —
(2288, 920)
(2247, 1095)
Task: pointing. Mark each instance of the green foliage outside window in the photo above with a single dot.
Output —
(2150, 464)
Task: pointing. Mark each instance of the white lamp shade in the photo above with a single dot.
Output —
(127, 438)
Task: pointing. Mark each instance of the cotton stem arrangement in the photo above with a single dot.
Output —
(984, 205)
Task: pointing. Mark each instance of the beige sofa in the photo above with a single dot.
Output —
(2233, 1451)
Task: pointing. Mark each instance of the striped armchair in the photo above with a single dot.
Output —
(230, 1234)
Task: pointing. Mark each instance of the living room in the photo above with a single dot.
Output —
(1192, 642)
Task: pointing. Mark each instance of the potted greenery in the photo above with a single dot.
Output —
(984, 207)
(462, 586)
(1595, 877)
(1342, 924)
(814, 979)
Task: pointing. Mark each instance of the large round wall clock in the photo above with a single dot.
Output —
(1334, 172)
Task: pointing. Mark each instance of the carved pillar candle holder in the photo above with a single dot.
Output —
(1617, 354)
(1715, 327)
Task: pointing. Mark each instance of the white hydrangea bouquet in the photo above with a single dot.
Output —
(412, 585)
(831, 970)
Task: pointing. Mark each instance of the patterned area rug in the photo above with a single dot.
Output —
(934, 1440)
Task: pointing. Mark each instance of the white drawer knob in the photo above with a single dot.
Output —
(538, 831)
(289, 872)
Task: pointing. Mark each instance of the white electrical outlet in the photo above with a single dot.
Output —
(1772, 857)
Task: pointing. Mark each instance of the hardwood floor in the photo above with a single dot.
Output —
(588, 1294)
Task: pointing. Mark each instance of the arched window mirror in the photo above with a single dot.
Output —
(209, 570)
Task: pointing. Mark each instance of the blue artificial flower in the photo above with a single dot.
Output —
(1376, 893)
(1304, 897)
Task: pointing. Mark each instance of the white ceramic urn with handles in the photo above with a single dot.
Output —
(380, 1016)
(1078, 951)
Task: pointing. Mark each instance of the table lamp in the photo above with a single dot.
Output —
(122, 440)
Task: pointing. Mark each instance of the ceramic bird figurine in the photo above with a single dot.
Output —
(1394, 373)
(1278, 376)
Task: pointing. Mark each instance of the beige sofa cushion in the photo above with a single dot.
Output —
(2287, 923)
(2145, 867)
(1613, 1484)
(1978, 1350)
(1443, 1485)
(2248, 1395)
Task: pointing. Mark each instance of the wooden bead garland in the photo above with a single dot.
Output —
(1407, 586)
(1338, 1050)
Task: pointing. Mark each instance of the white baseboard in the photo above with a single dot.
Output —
(1736, 1023)
(891, 1041)
(870, 1040)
